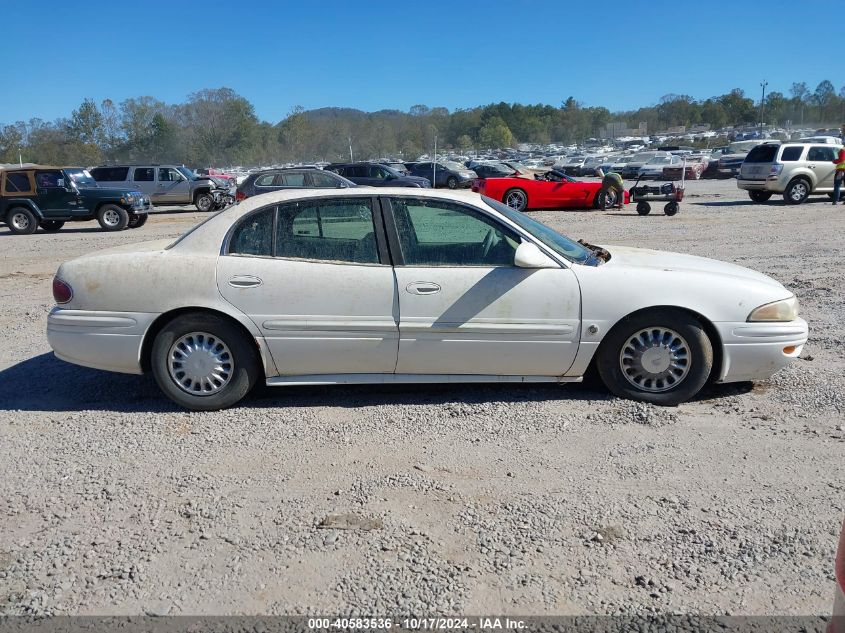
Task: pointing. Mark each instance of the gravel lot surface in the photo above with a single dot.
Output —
(510, 499)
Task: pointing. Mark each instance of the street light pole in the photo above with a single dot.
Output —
(764, 83)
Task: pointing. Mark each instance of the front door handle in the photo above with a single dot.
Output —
(422, 288)
(244, 281)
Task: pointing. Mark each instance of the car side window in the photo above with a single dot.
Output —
(265, 181)
(791, 154)
(49, 179)
(377, 172)
(821, 154)
(17, 183)
(254, 235)
(167, 174)
(321, 179)
(437, 233)
(294, 179)
(327, 230)
(144, 174)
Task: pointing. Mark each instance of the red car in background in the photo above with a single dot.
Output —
(696, 166)
(552, 190)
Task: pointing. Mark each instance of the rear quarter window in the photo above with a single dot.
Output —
(762, 154)
(791, 154)
(110, 174)
(17, 182)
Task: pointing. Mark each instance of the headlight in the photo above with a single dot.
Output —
(783, 310)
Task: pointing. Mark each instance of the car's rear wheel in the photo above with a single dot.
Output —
(204, 202)
(138, 220)
(203, 362)
(21, 221)
(51, 226)
(797, 191)
(663, 356)
(112, 217)
(759, 196)
(452, 182)
(516, 199)
(605, 199)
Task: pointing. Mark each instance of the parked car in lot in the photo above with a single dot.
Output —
(796, 170)
(377, 175)
(164, 184)
(693, 169)
(571, 166)
(731, 160)
(553, 190)
(269, 180)
(446, 173)
(413, 286)
(493, 170)
(632, 167)
(46, 197)
(653, 168)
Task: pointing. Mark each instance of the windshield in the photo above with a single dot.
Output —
(658, 160)
(740, 147)
(516, 166)
(81, 177)
(554, 240)
(448, 164)
(187, 173)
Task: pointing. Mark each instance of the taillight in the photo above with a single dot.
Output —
(240, 195)
(62, 292)
(775, 170)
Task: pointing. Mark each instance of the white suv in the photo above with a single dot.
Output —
(795, 170)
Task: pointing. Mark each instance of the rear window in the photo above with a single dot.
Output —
(110, 174)
(791, 153)
(762, 154)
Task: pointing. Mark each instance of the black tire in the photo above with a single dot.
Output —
(671, 208)
(50, 226)
(452, 182)
(204, 202)
(643, 207)
(112, 217)
(618, 342)
(605, 199)
(516, 199)
(759, 196)
(21, 221)
(244, 361)
(137, 221)
(797, 191)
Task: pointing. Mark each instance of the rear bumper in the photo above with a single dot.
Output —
(101, 340)
(755, 351)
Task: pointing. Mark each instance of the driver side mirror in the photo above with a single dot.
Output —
(529, 256)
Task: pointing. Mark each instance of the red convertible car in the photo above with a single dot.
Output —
(552, 190)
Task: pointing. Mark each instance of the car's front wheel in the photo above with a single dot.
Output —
(661, 356)
(203, 362)
(452, 182)
(112, 217)
(204, 202)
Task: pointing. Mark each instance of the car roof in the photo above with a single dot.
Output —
(30, 167)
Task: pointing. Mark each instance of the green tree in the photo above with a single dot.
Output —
(495, 133)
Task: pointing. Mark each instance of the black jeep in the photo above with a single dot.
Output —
(47, 197)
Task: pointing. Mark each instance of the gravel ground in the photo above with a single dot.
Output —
(509, 499)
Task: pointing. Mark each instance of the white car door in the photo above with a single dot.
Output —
(820, 159)
(313, 278)
(465, 308)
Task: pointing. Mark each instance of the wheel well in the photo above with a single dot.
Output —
(38, 215)
(165, 318)
(803, 177)
(709, 329)
(200, 192)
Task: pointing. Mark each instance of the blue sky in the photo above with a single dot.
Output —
(376, 55)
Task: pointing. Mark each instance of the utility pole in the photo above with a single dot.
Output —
(20, 157)
(351, 160)
(764, 83)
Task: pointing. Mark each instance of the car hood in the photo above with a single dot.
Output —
(419, 179)
(679, 262)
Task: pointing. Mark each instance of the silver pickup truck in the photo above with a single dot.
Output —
(166, 185)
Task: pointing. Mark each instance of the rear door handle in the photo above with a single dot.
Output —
(422, 288)
(244, 281)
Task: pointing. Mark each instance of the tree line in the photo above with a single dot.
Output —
(217, 127)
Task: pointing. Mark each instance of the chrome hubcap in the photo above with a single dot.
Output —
(655, 359)
(204, 203)
(111, 217)
(200, 363)
(20, 221)
(515, 200)
(799, 191)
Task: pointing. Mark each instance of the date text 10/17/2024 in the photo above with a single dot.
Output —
(418, 624)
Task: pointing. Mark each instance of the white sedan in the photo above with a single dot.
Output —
(391, 286)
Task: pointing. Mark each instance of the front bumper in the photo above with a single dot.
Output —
(755, 351)
(101, 340)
